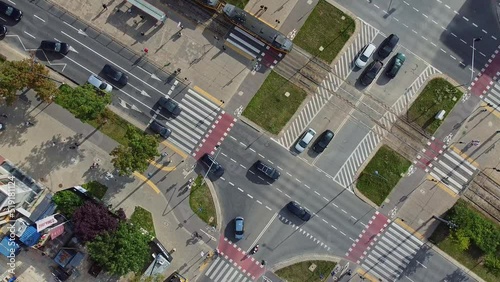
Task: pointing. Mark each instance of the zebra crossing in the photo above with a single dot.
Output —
(222, 270)
(332, 82)
(345, 175)
(493, 95)
(391, 253)
(196, 117)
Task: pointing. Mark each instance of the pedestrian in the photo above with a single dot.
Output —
(216, 37)
(53, 144)
(4, 115)
(265, 9)
(142, 33)
(142, 17)
(261, 6)
(104, 7)
(224, 47)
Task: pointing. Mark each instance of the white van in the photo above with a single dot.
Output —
(365, 55)
(304, 140)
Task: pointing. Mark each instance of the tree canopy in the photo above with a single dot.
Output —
(135, 156)
(92, 220)
(121, 251)
(67, 202)
(83, 101)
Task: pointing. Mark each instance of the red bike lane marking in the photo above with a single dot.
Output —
(215, 136)
(482, 82)
(368, 237)
(245, 262)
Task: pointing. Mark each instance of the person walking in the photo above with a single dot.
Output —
(104, 7)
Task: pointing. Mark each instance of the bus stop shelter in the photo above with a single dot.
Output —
(149, 9)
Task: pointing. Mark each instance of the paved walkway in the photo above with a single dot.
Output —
(44, 152)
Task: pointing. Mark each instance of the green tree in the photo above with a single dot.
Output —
(67, 202)
(122, 251)
(83, 101)
(492, 262)
(135, 156)
(462, 239)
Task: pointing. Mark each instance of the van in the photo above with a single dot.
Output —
(304, 140)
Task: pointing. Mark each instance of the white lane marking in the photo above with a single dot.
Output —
(270, 162)
(443, 27)
(263, 230)
(465, 42)
(396, 19)
(353, 217)
(231, 183)
(416, 10)
(30, 35)
(243, 166)
(241, 190)
(485, 32)
(433, 44)
(343, 211)
(325, 221)
(482, 54)
(298, 180)
(414, 31)
(279, 167)
(39, 18)
(342, 233)
(474, 24)
(317, 193)
(232, 138)
(406, 3)
(405, 25)
(465, 18)
(131, 74)
(333, 227)
(224, 154)
(352, 239)
(425, 38)
(260, 155)
(494, 37)
(250, 196)
(425, 15)
(279, 190)
(335, 205)
(453, 57)
(443, 50)
(376, 6)
(456, 13)
(307, 186)
(233, 160)
(434, 21)
(243, 144)
(326, 199)
(268, 208)
(259, 202)
(287, 196)
(251, 149)
(447, 6)
(421, 264)
(453, 34)
(288, 174)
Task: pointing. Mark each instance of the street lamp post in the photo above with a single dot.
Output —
(210, 167)
(473, 52)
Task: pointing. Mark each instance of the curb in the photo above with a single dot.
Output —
(298, 259)
(218, 211)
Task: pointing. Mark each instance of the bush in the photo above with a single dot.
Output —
(67, 202)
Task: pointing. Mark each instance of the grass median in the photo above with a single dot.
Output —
(300, 272)
(201, 202)
(270, 108)
(326, 27)
(382, 174)
(143, 218)
(238, 3)
(437, 95)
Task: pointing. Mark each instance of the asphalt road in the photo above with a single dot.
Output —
(440, 32)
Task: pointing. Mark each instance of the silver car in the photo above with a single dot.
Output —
(99, 83)
(304, 140)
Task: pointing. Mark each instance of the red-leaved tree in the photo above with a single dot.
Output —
(93, 219)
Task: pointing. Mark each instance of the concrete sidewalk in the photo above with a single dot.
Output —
(43, 151)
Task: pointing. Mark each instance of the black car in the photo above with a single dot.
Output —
(170, 105)
(215, 168)
(322, 142)
(298, 210)
(387, 46)
(371, 72)
(11, 12)
(54, 46)
(396, 65)
(160, 129)
(3, 30)
(271, 172)
(117, 76)
(59, 273)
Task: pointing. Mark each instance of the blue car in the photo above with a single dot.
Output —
(239, 227)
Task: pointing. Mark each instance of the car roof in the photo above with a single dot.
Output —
(370, 48)
(393, 39)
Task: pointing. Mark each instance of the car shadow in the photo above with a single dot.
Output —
(229, 230)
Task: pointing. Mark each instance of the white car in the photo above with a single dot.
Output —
(304, 140)
(99, 83)
(365, 55)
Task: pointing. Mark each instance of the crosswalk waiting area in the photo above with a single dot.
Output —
(453, 170)
(392, 253)
(222, 270)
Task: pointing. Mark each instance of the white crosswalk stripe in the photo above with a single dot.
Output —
(341, 70)
(391, 253)
(453, 170)
(222, 270)
(197, 116)
(493, 95)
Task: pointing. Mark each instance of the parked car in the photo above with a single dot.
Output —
(11, 12)
(215, 168)
(387, 46)
(396, 65)
(323, 140)
(304, 140)
(117, 76)
(270, 171)
(99, 83)
(54, 46)
(59, 273)
(3, 30)
(371, 72)
(156, 127)
(239, 227)
(365, 55)
(171, 106)
(298, 211)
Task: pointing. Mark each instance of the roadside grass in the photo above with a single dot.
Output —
(95, 188)
(143, 218)
(472, 258)
(300, 272)
(238, 3)
(270, 108)
(201, 202)
(325, 28)
(115, 127)
(382, 174)
(437, 95)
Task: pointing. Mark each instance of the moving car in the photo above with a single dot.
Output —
(298, 210)
(160, 129)
(117, 76)
(11, 12)
(170, 105)
(271, 172)
(239, 227)
(3, 30)
(215, 168)
(371, 72)
(304, 140)
(54, 46)
(365, 55)
(99, 83)
(396, 65)
(387, 46)
(323, 140)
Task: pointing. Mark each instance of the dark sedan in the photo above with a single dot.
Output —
(396, 65)
(298, 210)
(156, 127)
(387, 46)
(371, 72)
(117, 76)
(171, 106)
(214, 167)
(271, 172)
(3, 30)
(322, 142)
(54, 46)
(11, 12)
